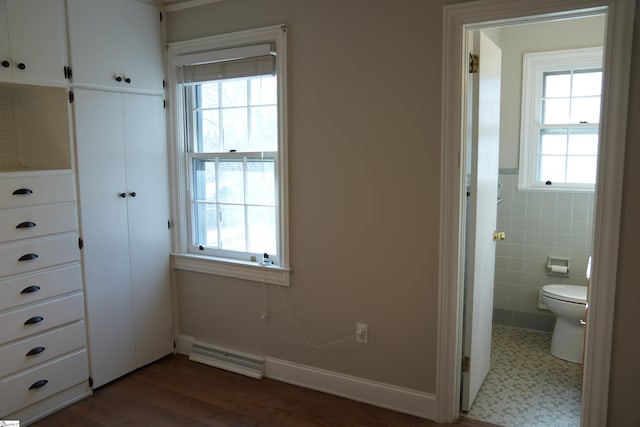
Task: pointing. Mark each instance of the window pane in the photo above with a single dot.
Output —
(553, 141)
(557, 85)
(264, 91)
(261, 182)
(235, 129)
(582, 169)
(264, 128)
(587, 83)
(583, 142)
(204, 180)
(231, 183)
(234, 92)
(232, 233)
(262, 229)
(208, 95)
(205, 224)
(555, 111)
(208, 132)
(551, 168)
(585, 110)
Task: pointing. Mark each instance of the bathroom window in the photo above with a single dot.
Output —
(561, 100)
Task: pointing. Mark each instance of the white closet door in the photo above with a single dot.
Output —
(37, 34)
(146, 152)
(5, 52)
(101, 179)
(95, 41)
(142, 57)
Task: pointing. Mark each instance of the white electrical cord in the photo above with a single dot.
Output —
(303, 333)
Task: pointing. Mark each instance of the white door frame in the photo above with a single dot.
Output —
(486, 13)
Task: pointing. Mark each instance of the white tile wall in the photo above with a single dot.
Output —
(538, 224)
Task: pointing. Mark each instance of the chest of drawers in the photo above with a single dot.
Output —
(43, 353)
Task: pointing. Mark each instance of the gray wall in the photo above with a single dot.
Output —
(365, 165)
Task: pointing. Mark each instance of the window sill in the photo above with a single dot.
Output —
(558, 189)
(252, 271)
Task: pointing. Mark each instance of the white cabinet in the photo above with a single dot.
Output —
(122, 173)
(42, 329)
(116, 43)
(33, 41)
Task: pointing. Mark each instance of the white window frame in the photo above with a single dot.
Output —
(181, 53)
(533, 69)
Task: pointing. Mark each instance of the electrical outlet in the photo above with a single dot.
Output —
(362, 333)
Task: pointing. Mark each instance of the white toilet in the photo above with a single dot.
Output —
(568, 303)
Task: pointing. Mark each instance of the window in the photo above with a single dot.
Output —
(560, 119)
(231, 148)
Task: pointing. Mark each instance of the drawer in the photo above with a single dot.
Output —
(33, 254)
(37, 349)
(35, 287)
(34, 319)
(36, 221)
(42, 381)
(31, 190)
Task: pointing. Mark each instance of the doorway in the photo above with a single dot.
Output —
(525, 384)
(458, 19)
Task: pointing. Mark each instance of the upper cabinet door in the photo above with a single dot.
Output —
(115, 43)
(35, 50)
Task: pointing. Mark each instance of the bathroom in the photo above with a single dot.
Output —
(538, 224)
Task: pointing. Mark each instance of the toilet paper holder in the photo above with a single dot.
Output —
(558, 265)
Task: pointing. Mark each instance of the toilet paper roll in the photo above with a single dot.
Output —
(560, 269)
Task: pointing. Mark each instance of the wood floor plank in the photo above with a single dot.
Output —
(177, 392)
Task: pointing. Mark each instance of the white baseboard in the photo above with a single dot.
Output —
(375, 393)
(388, 396)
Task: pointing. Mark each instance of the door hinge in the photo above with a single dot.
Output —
(466, 362)
(71, 97)
(80, 243)
(169, 224)
(474, 63)
(90, 381)
(174, 344)
(164, 84)
(161, 17)
(67, 72)
(164, 104)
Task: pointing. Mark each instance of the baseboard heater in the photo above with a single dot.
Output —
(250, 366)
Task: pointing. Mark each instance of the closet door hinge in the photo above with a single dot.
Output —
(169, 224)
(67, 72)
(161, 17)
(80, 243)
(474, 63)
(164, 104)
(466, 363)
(71, 97)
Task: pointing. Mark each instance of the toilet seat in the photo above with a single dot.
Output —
(568, 293)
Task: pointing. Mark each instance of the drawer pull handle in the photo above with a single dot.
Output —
(33, 320)
(36, 350)
(38, 384)
(26, 224)
(22, 192)
(28, 257)
(30, 289)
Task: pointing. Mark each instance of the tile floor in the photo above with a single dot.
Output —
(526, 386)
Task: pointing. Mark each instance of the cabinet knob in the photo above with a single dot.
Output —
(33, 320)
(38, 384)
(22, 66)
(123, 195)
(127, 79)
(35, 350)
(28, 257)
(6, 64)
(132, 194)
(118, 78)
(26, 224)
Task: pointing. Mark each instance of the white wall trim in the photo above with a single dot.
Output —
(405, 400)
(174, 5)
(485, 13)
(388, 396)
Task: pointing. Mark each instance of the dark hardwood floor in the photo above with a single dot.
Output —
(177, 392)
